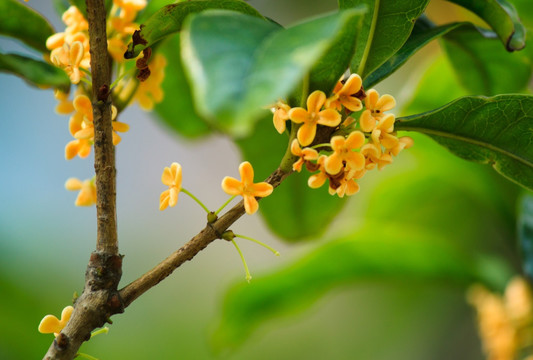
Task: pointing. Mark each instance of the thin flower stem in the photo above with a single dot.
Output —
(103, 330)
(259, 243)
(86, 81)
(195, 199)
(320, 145)
(225, 204)
(85, 71)
(248, 275)
(125, 73)
(86, 356)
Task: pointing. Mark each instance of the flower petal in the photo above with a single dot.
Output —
(371, 99)
(73, 184)
(352, 85)
(232, 186)
(164, 198)
(367, 121)
(250, 204)
(306, 133)
(386, 102)
(329, 117)
(173, 192)
(298, 115)
(247, 173)
(166, 177)
(355, 140)
(262, 189)
(315, 101)
(333, 164)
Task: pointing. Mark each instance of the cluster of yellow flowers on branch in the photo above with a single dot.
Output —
(355, 145)
(70, 51)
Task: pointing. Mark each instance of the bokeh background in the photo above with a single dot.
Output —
(45, 241)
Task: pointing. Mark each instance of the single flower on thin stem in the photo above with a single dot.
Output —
(313, 116)
(344, 152)
(375, 107)
(172, 178)
(281, 115)
(246, 187)
(343, 94)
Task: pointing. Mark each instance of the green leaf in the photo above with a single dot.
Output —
(61, 6)
(495, 131)
(525, 233)
(502, 18)
(151, 8)
(36, 72)
(483, 65)
(385, 29)
(177, 109)
(239, 64)
(422, 34)
(23, 23)
(169, 19)
(375, 253)
(294, 211)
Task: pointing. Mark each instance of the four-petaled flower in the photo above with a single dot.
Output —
(172, 178)
(246, 187)
(87, 188)
(51, 324)
(304, 155)
(313, 116)
(381, 134)
(343, 94)
(281, 115)
(375, 106)
(344, 151)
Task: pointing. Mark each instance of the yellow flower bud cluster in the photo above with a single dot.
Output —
(505, 322)
(355, 146)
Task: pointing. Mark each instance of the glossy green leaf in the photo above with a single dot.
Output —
(151, 8)
(502, 18)
(495, 131)
(35, 72)
(176, 109)
(386, 27)
(376, 253)
(23, 23)
(294, 211)
(237, 73)
(169, 19)
(525, 233)
(482, 64)
(422, 34)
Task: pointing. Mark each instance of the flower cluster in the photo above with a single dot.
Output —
(505, 323)
(355, 146)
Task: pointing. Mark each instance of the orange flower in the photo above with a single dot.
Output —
(405, 142)
(381, 134)
(312, 117)
(172, 178)
(246, 187)
(374, 156)
(343, 151)
(51, 324)
(375, 106)
(281, 115)
(305, 155)
(149, 92)
(317, 180)
(343, 94)
(69, 59)
(87, 188)
(65, 106)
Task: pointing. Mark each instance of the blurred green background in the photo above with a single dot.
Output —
(45, 241)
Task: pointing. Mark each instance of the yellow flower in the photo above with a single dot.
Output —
(136, 5)
(74, 20)
(51, 324)
(343, 152)
(312, 117)
(69, 59)
(305, 155)
(87, 188)
(405, 142)
(281, 115)
(381, 134)
(347, 186)
(246, 187)
(375, 106)
(172, 178)
(374, 156)
(65, 106)
(80, 147)
(317, 180)
(343, 94)
(149, 92)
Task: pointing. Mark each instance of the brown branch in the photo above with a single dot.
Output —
(99, 299)
(210, 233)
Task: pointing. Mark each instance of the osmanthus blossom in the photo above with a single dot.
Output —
(171, 177)
(86, 188)
(381, 134)
(343, 94)
(304, 155)
(313, 116)
(281, 115)
(150, 92)
(246, 187)
(344, 152)
(375, 107)
(51, 324)
(69, 59)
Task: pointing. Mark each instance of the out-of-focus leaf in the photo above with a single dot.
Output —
(437, 87)
(422, 34)
(61, 6)
(502, 18)
(36, 72)
(169, 20)
(495, 131)
(151, 8)
(523, 8)
(294, 211)
(177, 109)
(386, 27)
(241, 64)
(483, 65)
(525, 233)
(380, 252)
(23, 23)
